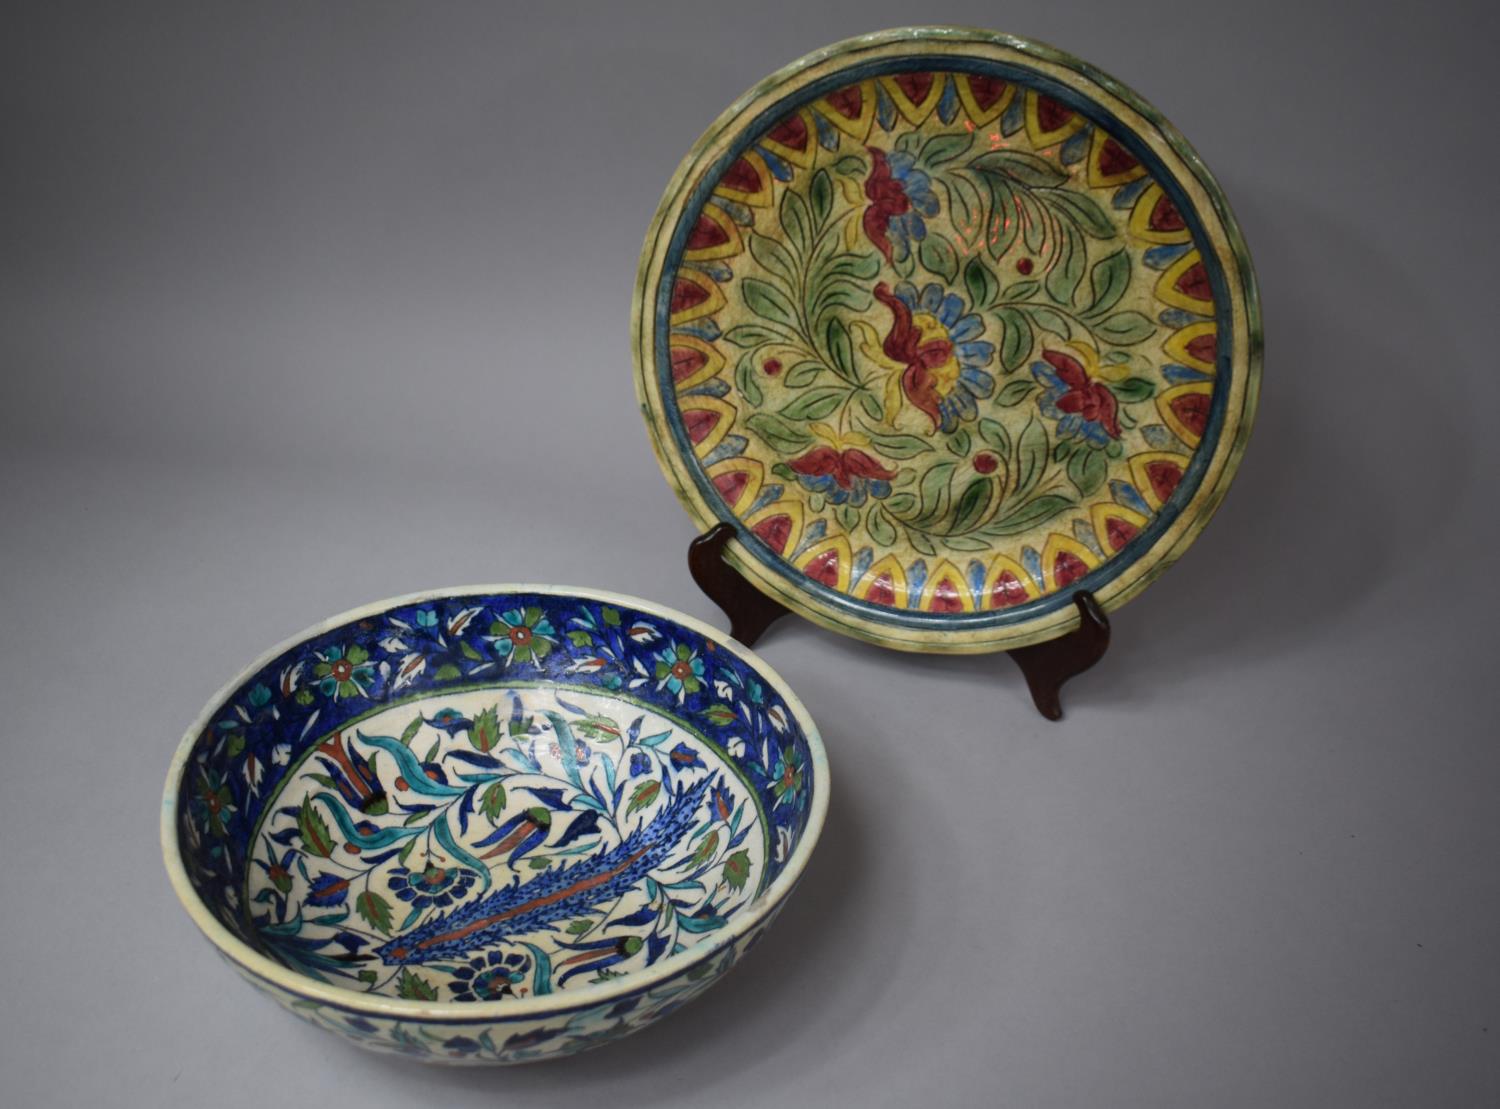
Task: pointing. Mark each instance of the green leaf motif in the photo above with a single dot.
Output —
(878, 524)
(993, 432)
(796, 221)
(1031, 456)
(840, 349)
(1125, 328)
(899, 446)
(316, 839)
(412, 987)
(643, 795)
(737, 870)
(411, 730)
(1015, 338)
(1063, 278)
(981, 284)
(375, 910)
(972, 504)
(848, 517)
(780, 436)
(486, 730)
(959, 442)
(1014, 393)
(1049, 319)
(772, 256)
(767, 301)
(850, 165)
(492, 801)
(802, 375)
(815, 403)
(1133, 389)
(821, 192)
(871, 406)
(937, 257)
(1080, 209)
(934, 490)
(752, 335)
(1036, 511)
(1107, 281)
(1087, 470)
(944, 148)
(1026, 169)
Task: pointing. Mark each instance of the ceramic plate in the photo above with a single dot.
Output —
(949, 325)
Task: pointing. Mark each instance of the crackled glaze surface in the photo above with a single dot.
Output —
(543, 816)
(948, 329)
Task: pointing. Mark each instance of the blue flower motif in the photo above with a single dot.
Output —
(900, 195)
(433, 885)
(489, 977)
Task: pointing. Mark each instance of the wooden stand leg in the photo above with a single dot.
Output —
(749, 610)
(1047, 665)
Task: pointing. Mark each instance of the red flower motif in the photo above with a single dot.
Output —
(904, 344)
(887, 200)
(843, 466)
(1091, 400)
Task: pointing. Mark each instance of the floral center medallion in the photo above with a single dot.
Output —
(940, 341)
(504, 842)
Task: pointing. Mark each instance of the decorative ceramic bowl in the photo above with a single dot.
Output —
(949, 326)
(496, 824)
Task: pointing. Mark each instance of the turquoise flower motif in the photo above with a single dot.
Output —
(523, 635)
(344, 672)
(679, 670)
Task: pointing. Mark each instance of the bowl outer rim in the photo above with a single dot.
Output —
(261, 966)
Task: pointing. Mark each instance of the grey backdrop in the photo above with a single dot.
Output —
(305, 306)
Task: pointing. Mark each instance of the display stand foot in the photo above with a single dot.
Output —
(749, 610)
(1048, 665)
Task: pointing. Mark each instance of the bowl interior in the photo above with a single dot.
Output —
(484, 796)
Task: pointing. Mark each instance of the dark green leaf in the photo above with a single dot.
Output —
(815, 403)
(744, 379)
(752, 335)
(944, 148)
(802, 375)
(1080, 209)
(1125, 328)
(1086, 470)
(934, 490)
(796, 221)
(1029, 515)
(920, 543)
(1049, 319)
(766, 300)
(1022, 289)
(839, 349)
(993, 432)
(1031, 456)
(1027, 169)
(821, 192)
(937, 257)
(1108, 281)
(899, 446)
(959, 442)
(972, 503)
(1015, 338)
(773, 257)
(1067, 269)
(901, 503)
(780, 436)
(1014, 393)
(1133, 389)
(980, 281)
